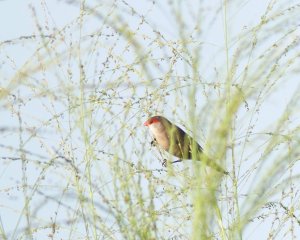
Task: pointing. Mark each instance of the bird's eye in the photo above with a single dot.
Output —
(154, 120)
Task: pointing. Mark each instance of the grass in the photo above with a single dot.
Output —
(76, 160)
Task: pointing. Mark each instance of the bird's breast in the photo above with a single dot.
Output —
(161, 137)
(163, 141)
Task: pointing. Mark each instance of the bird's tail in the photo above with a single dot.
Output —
(211, 163)
(217, 167)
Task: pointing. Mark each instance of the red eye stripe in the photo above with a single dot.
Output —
(150, 121)
(154, 120)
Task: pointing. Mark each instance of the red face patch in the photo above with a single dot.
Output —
(150, 121)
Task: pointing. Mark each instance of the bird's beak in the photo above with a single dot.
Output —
(146, 123)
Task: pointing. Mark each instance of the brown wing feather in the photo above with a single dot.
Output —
(182, 144)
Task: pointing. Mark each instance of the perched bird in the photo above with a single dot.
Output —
(175, 141)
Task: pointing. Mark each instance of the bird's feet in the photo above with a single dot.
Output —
(176, 161)
(164, 163)
(153, 143)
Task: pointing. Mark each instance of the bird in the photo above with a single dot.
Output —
(177, 142)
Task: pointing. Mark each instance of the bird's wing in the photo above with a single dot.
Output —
(186, 144)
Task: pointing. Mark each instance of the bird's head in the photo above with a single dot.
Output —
(152, 120)
(155, 123)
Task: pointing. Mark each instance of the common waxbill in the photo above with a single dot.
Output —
(177, 142)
